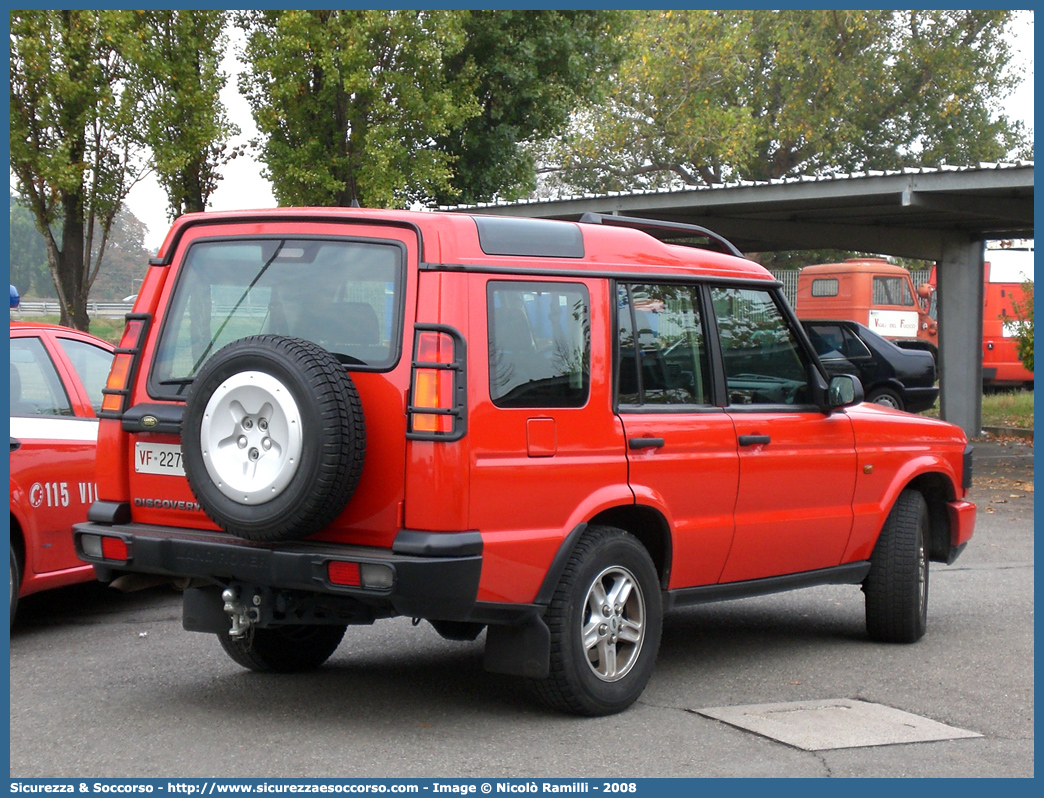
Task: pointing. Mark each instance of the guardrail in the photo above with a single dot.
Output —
(49, 307)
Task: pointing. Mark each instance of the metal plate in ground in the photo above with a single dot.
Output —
(834, 723)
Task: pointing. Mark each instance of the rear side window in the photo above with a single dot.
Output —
(661, 352)
(539, 344)
(36, 389)
(343, 295)
(92, 364)
(892, 291)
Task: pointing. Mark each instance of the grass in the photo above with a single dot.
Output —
(108, 329)
(1008, 409)
(1004, 409)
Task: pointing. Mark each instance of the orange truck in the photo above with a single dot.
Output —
(881, 295)
(873, 292)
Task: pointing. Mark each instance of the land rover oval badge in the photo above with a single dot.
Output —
(149, 421)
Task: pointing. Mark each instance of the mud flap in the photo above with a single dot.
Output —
(203, 610)
(522, 649)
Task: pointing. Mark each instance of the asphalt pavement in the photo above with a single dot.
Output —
(109, 685)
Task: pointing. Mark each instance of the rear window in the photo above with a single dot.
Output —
(345, 296)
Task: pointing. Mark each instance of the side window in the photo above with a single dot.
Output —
(92, 364)
(827, 340)
(892, 291)
(539, 344)
(36, 389)
(764, 363)
(854, 348)
(661, 351)
(825, 287)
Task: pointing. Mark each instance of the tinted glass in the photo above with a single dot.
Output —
(36, 389)
(764, 363)
(539, 344)
(92, 365)
(343, 295)
(666, 363)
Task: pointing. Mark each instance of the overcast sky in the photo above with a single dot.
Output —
(244, 188)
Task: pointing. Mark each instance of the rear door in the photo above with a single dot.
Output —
(681, 449)
(797, 465)
(54, 465)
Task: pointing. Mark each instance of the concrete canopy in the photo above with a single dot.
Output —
(942, 214)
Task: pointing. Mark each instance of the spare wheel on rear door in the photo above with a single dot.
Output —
(273, 438)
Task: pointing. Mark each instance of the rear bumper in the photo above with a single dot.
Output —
(919, 399)
(434, 575)
(962, 526)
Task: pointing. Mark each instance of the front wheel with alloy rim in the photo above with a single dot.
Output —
(605, 621)
(283, 649)
(896, 589)
(273, 438)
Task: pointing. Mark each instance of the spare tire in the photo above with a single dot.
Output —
(273, 438)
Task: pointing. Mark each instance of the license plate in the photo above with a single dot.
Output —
(158, 458)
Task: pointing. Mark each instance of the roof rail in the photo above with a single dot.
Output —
(664, 231)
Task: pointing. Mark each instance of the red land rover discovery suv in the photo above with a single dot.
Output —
(553, 431)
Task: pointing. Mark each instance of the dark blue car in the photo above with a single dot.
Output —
(891, 376)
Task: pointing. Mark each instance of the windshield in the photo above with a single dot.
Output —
(343, 295)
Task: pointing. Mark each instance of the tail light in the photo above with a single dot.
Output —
(369, 575)
(438, 384)
(124, 366)
(104, 547)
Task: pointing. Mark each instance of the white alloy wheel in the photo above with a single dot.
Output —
(251, 437)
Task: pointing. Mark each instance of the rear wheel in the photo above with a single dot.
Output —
(896, 589)
(283, 649)
(605, 623)
(886, 397)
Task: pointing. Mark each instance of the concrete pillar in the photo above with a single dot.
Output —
(959, 276)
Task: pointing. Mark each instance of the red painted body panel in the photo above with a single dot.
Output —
(897, 448)
(794, 510)
(692, 480)
(53, 470)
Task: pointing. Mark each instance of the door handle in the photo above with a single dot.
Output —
(645, 443)
(753, 440)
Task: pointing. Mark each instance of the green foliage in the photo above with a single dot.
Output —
(176, 80)
(531, 69)
(29, 273)
(1023, 323)
(712, 96)
(72, 143)
(349, 102)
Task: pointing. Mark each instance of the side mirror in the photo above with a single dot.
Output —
(14, 297)
(845, 390)
(924, 290)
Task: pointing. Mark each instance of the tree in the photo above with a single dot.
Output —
(712, 96)
(72, 143)
(29, 273)
(531, 69)
(176, 78)
(1023, 324)
(349, 102)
